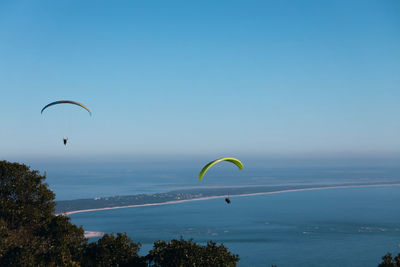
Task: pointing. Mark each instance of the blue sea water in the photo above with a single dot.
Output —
(332, 227)
(85, 180)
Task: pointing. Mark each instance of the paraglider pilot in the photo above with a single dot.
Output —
(65, 140)
(232, 160)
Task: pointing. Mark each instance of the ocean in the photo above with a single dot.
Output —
(331, 227)
(75, 181)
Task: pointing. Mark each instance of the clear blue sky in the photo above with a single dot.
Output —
(200, 77)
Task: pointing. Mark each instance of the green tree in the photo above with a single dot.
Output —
(64, 242)
(24, 199)
(388, 261)
(113, 251)
(188, 253)
(31, 235)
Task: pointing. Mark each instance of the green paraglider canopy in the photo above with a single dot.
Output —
(66, 102)
(209, 165)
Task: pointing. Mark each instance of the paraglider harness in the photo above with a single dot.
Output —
(65, 141)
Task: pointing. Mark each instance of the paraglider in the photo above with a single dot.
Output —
(65, 140)
(66, 102)
(232, 160)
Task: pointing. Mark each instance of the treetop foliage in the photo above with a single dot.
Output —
(388, 261)
(188, 253)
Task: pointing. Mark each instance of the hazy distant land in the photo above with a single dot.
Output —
(177, 196)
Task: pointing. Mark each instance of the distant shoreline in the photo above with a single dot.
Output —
(91, 234)
(231, 196)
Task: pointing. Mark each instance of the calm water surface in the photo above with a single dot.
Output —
(90, 181)
(335, 227)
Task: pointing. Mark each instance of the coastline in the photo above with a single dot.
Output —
(231, 196)
(91, 234)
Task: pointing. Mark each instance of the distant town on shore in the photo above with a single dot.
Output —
(176, 196)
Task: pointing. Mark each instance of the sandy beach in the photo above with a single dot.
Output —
(90, 234)
(231, 196)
